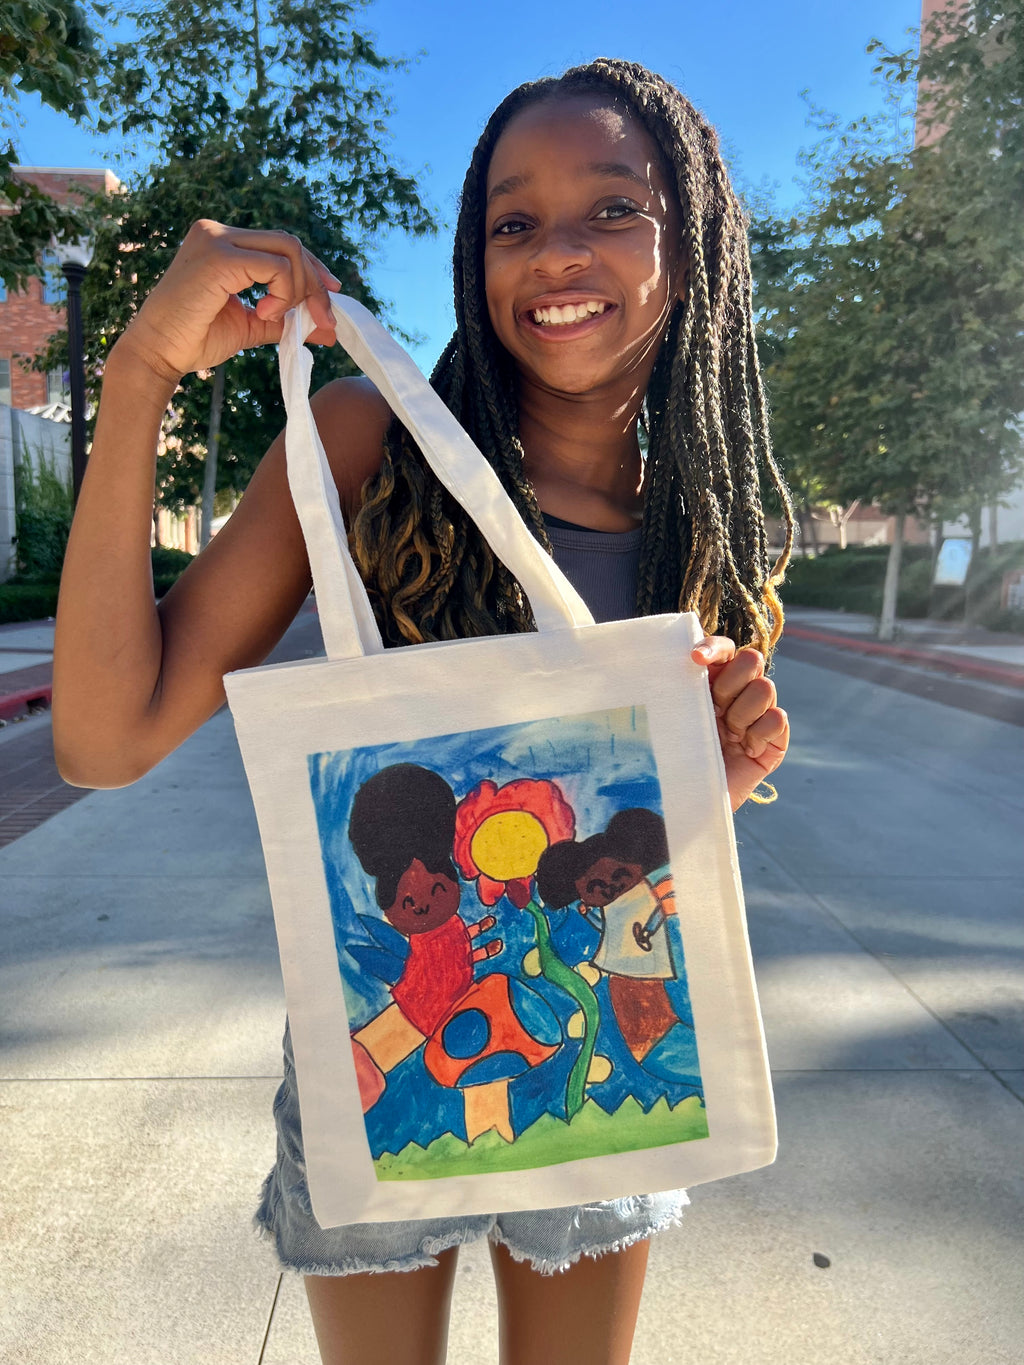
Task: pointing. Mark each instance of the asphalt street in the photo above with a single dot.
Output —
(141, 1009)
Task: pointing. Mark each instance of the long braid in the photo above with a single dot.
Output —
(703, 542)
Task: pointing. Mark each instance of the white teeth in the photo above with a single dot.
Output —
(572, 312)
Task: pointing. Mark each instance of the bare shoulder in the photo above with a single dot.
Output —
(352, 418)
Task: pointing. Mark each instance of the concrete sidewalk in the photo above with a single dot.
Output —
(31, 789)
(142, 1013)
(26, 650)
(950, 647)
(26, 667)
(26, 660)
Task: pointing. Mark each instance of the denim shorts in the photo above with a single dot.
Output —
(550, 1239)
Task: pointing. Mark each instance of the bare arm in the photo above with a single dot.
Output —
(132, 680)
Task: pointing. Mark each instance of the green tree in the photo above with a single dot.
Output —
(893, 303)
(47, 47)
(262, 114)
(131, 252)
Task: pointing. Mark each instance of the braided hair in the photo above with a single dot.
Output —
(429, 572)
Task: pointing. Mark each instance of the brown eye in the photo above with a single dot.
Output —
(408, 903)
(438, 889)
(612, 213)
(511, 227)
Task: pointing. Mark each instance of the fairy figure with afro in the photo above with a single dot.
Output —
(402, 828)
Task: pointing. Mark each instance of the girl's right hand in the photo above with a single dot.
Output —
(194, 319)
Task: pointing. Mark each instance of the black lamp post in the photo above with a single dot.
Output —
(74, 258)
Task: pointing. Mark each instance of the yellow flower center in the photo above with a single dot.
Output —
(509, 845)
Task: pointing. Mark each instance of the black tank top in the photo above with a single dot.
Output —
(601, 565)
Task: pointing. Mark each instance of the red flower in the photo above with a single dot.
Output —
(500, 833)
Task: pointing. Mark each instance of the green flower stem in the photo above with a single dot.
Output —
(553, 969)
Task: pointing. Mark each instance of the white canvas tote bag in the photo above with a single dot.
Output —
(504, 877)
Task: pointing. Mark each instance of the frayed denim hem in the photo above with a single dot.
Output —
(424, 1255)
(552, 1267)
(550, 1239)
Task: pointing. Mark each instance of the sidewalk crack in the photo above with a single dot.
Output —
(270, 1319)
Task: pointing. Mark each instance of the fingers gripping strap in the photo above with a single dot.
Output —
(346, 617)
(448, 450)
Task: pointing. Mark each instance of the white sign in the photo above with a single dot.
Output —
(952, 565)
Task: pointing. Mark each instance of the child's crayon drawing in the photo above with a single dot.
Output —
(509, 945)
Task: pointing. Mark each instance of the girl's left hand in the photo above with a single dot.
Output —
(752, 730)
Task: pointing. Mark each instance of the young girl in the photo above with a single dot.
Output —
(602, 291)
(402, 828)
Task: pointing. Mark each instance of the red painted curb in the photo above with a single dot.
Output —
(13, 702)
(944, 663)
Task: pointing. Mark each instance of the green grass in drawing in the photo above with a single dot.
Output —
(550, 1141)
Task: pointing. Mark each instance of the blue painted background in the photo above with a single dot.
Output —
(603, 763)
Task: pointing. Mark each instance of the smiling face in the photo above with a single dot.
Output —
(582, 255)
(606, 880)
(423, 900)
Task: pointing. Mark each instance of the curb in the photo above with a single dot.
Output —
(943, 663)
(13, 703)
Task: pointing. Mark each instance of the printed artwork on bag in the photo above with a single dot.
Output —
(509, 945)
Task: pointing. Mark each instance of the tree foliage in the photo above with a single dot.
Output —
(47, 47)
(285, 82)
(43, 503)
(132, 251)
(263, 114)
(893, 303)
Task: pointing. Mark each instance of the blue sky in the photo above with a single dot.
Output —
(742, 62)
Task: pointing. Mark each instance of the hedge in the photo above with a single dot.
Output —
(852, 580)
(34, 597)
(27, 601)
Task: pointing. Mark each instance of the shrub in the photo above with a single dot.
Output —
(168, 566)
(169, 563)
(34, 597)
(27, 601)
(1003, 619)
(43, 504)
(985, 586)
(852, 580)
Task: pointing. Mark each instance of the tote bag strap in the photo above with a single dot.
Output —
(346, 617)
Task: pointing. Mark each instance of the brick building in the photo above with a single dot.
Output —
(30, 317)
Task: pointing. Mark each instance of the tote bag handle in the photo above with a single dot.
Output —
(346, 617)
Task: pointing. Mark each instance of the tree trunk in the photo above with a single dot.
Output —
(212, 444)
(993, 526)
(936, 539)
(890, 593)
(935, 521)
(974, 517)
(808, 530)
(844, 521)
